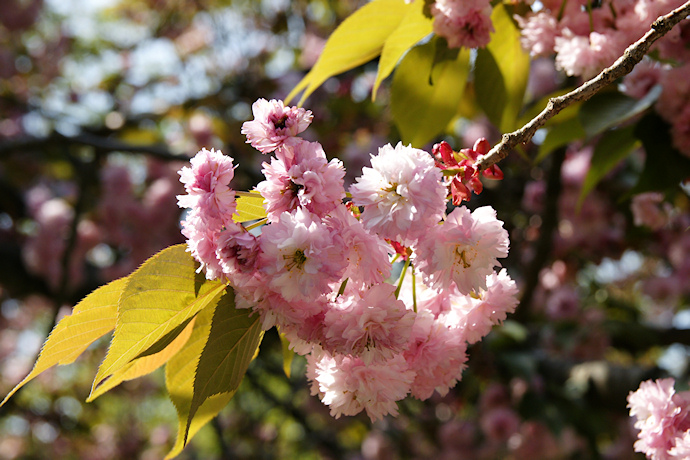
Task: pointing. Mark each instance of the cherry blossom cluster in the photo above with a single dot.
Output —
(662, 418)
(463, 23)
(587, 36)
(325, 265)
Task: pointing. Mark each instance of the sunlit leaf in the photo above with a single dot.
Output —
(413, 28)
(145, 364)
(426, 96)
(179, 381)
(610, 150)
(607, 109)
(288, 355)
(249, 207)
(502, 97)
(231, 346)
(357, 40)
(162, 294)
(90, 320)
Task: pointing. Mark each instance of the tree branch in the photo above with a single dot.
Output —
(102, 143)
(623, 66)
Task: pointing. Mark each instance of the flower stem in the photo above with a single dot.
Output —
(256, 224)
(402, 277)
(414, 292)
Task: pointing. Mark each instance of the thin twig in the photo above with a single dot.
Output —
(623, 66)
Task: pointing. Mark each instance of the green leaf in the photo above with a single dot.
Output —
(489, 86)
(90, 320)
(610, 108)
(611, 149)
(501, 72)
(665, 167)
(146, 364)
(249, 207)
(425, 97)
(357, 40)
(161, 295)
(232, 344)
(412, 29)
(288, 355)
(179, 381)
(560, 135)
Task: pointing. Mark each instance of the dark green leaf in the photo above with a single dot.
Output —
(611, 108)
(501, 72)
(665, 167)
(611, 149)
(489, 86)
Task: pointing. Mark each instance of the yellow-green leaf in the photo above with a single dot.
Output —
(91, 319)
(231, 346)
(288, 355)
(513, 64)
(179, 381)
(357, 40)
(425, 94)
(163, 293)
(413, 28)
(250, 206)
(145, 364)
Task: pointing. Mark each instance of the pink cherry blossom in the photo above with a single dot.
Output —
(201, 243)
(300, 256)
(373, 325)
(437, 355)
(237, 252)
(586, 55)
(662, 418)
(539, 31)
(274, 124)
(367, 254)
(348, 386)
(402, 193)
(309, 180)
(463, 23)
(292, 316)
(477, 314)
(207, 186)
(463, 250)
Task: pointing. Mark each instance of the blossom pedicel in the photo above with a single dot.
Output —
(322, 273)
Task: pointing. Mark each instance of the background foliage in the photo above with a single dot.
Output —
(102, 102)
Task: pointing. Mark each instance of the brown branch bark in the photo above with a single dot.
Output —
(623, 66)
